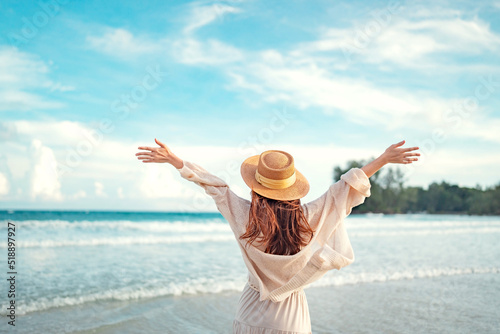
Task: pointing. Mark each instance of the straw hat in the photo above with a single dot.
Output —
(272, 174)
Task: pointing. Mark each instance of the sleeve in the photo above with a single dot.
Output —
(213, 185)
(230, 205)
(333, 206)
(350, 191)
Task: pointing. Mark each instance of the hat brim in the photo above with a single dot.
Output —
(299, 189)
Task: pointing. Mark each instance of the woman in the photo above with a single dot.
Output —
(285, 245)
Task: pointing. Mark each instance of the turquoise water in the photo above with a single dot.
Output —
(79, 259)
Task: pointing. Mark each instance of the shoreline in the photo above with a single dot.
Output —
(408, 306)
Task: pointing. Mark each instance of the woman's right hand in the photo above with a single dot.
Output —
(394, 154)
(160, 154)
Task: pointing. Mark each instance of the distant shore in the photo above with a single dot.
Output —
(215, 213)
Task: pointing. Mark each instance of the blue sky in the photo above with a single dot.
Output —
(83, 84)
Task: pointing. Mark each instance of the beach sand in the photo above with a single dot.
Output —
(426, 305)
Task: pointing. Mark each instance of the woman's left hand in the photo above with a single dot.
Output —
(395, 154)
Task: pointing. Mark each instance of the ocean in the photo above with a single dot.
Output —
(149, 272)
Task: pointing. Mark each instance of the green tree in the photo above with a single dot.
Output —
(389, 195)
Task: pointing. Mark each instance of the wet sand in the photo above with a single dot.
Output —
(427, 305)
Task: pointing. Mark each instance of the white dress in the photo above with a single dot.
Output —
(290, 316)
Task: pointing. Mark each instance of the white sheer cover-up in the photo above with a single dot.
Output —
(276, 282)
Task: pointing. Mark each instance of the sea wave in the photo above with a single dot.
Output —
(349, 279)
(209, 225)
(220, 225)
(216, 285)
(194, 287)
(355, 224)
(115, 241)
(382, 233)
(87, 241)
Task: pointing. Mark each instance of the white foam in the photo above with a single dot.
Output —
(193, 287)
(205, 285)
(209, 225)
(126, 241)
(348, 279)
(219, 225)
(357, 224)
(380, 233)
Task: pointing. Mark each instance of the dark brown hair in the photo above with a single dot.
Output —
(283, 225)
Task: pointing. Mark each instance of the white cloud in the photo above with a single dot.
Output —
(476, 126)
(157, 181)
(60, 87)
(309, 85)
(188, 50)
(212, 52)
(22, 101)
(426, 12)
(4, 185)
(5, 174)
(79, 194)
(7, 131)
(49, 132)
(122, 43)
(20, 69)
(119, 192)
(45, 183)
(20, 72)
(412, 42)
(439, 163)
(203, 15)
(307, 80)
(99, 189)
(151, 184)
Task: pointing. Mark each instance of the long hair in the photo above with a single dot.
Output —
(283, 225)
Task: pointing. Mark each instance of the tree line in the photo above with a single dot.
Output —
(390, 195)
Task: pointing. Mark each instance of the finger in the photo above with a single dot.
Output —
(145, 158)
(411, 155)
(410, 149)
(144, 153)
(146, 148)
(160, 143)
(401, 143)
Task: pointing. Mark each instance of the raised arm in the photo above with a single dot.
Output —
(159, 154)
(393, 154)
(231, 206)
